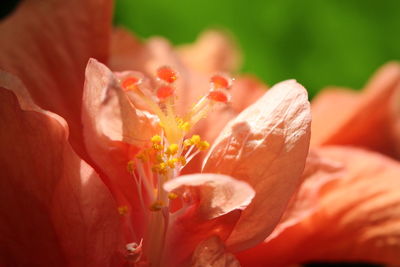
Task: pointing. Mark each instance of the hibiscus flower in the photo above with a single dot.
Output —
(110, 192)
(91, 159)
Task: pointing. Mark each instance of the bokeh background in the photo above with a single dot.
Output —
(320, 43)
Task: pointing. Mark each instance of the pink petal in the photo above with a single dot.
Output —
(213, 51)
(55, 210)
(209, 128)
(245, 91)
(47, 45)
(218, 194)
(211, 252)
(361, 119)
(213, 210)
(114, 131)
(266, 146)
(354, 218)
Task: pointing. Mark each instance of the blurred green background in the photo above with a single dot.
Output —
(320, 43)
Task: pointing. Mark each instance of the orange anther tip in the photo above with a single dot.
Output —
(167, 74)
(218, 96)
(130, 83)
(164, 92)
(220, 82)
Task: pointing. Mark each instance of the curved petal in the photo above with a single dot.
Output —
(212, 206)
(213, 51)
(47, 45)
(266, 146)
(55, 210)
(114, 132)
(211, 253)
(361, 119)
(354, 218)
(218, 194)
(209, 128)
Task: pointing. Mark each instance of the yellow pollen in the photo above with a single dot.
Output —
(172, 196)
(172, 149)
(130, 166)
(187, 142)
(203, 145)
(157, 205)
(122, 210)
(157, 147)
(171, 162)
(163, 165)
(156, 139)
(160, 168)
(195, 139)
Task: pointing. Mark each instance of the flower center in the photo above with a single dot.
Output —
(166, 155)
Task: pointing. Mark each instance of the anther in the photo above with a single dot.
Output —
(195, 139)
(187, 143)
(157, 205)
(157, 147)
(160, 168)
(203, 145)
(130, 167)
(171, 162)
(122, 210)
(156, 139)
(172, 149)
(172, 196)
(167, 74)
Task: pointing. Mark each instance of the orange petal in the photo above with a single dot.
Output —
(209, 128)
(361, 119)
(354, 218)
(212, 207)
(266, 146)
(211, 252)
(55, 209)
(214, 51)
(218, 194)
(47, 45)
(114, 131)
